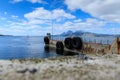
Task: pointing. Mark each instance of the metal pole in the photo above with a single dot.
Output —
(107, 41)
(52, 29)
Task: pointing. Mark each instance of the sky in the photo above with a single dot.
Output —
(38, 17)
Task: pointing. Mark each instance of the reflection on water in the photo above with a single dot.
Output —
(47, 49)
(68, 53)
(59, 52)
(19, 47)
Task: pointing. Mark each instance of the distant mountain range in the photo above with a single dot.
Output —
(83, 33)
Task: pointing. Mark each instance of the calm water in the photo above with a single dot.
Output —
(16, 47)
(13, 47)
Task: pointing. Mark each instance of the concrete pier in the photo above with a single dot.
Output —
(93, 48)
(88, 48)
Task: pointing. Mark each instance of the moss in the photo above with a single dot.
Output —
(61, 65)
(51, 66)
(76, 62)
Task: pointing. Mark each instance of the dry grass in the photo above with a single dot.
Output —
(62, 68)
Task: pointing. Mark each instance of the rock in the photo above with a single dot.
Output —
(22, 71)
(33, 71)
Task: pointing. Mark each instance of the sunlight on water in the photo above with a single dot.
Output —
(14, 47)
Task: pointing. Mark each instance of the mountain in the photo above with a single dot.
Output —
(76, 33)
(83, 33)
(67, 33)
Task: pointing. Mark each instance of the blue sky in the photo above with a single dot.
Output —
(35, 17)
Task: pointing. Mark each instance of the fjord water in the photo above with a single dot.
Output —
(19, 47)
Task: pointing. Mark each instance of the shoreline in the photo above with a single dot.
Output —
(62, 68)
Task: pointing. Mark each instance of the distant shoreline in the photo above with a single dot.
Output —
(5, 35)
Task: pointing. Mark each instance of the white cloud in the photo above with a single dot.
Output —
(43, 17)
(36, 1)
(32, 1)
(41, 27)
(5, 13)
(41, 13)
(92, 25)
(15, 1)
(20, 28)
(14, 16)
(58, 13)
(3, 18)
(103, 9)
(39, 24)
(25, 27)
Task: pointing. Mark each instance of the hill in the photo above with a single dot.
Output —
(83, 33)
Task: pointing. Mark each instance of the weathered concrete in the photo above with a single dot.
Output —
(94, 48)
(115, 46)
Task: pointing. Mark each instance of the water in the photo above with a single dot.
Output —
(16, 47)
(19, 47)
